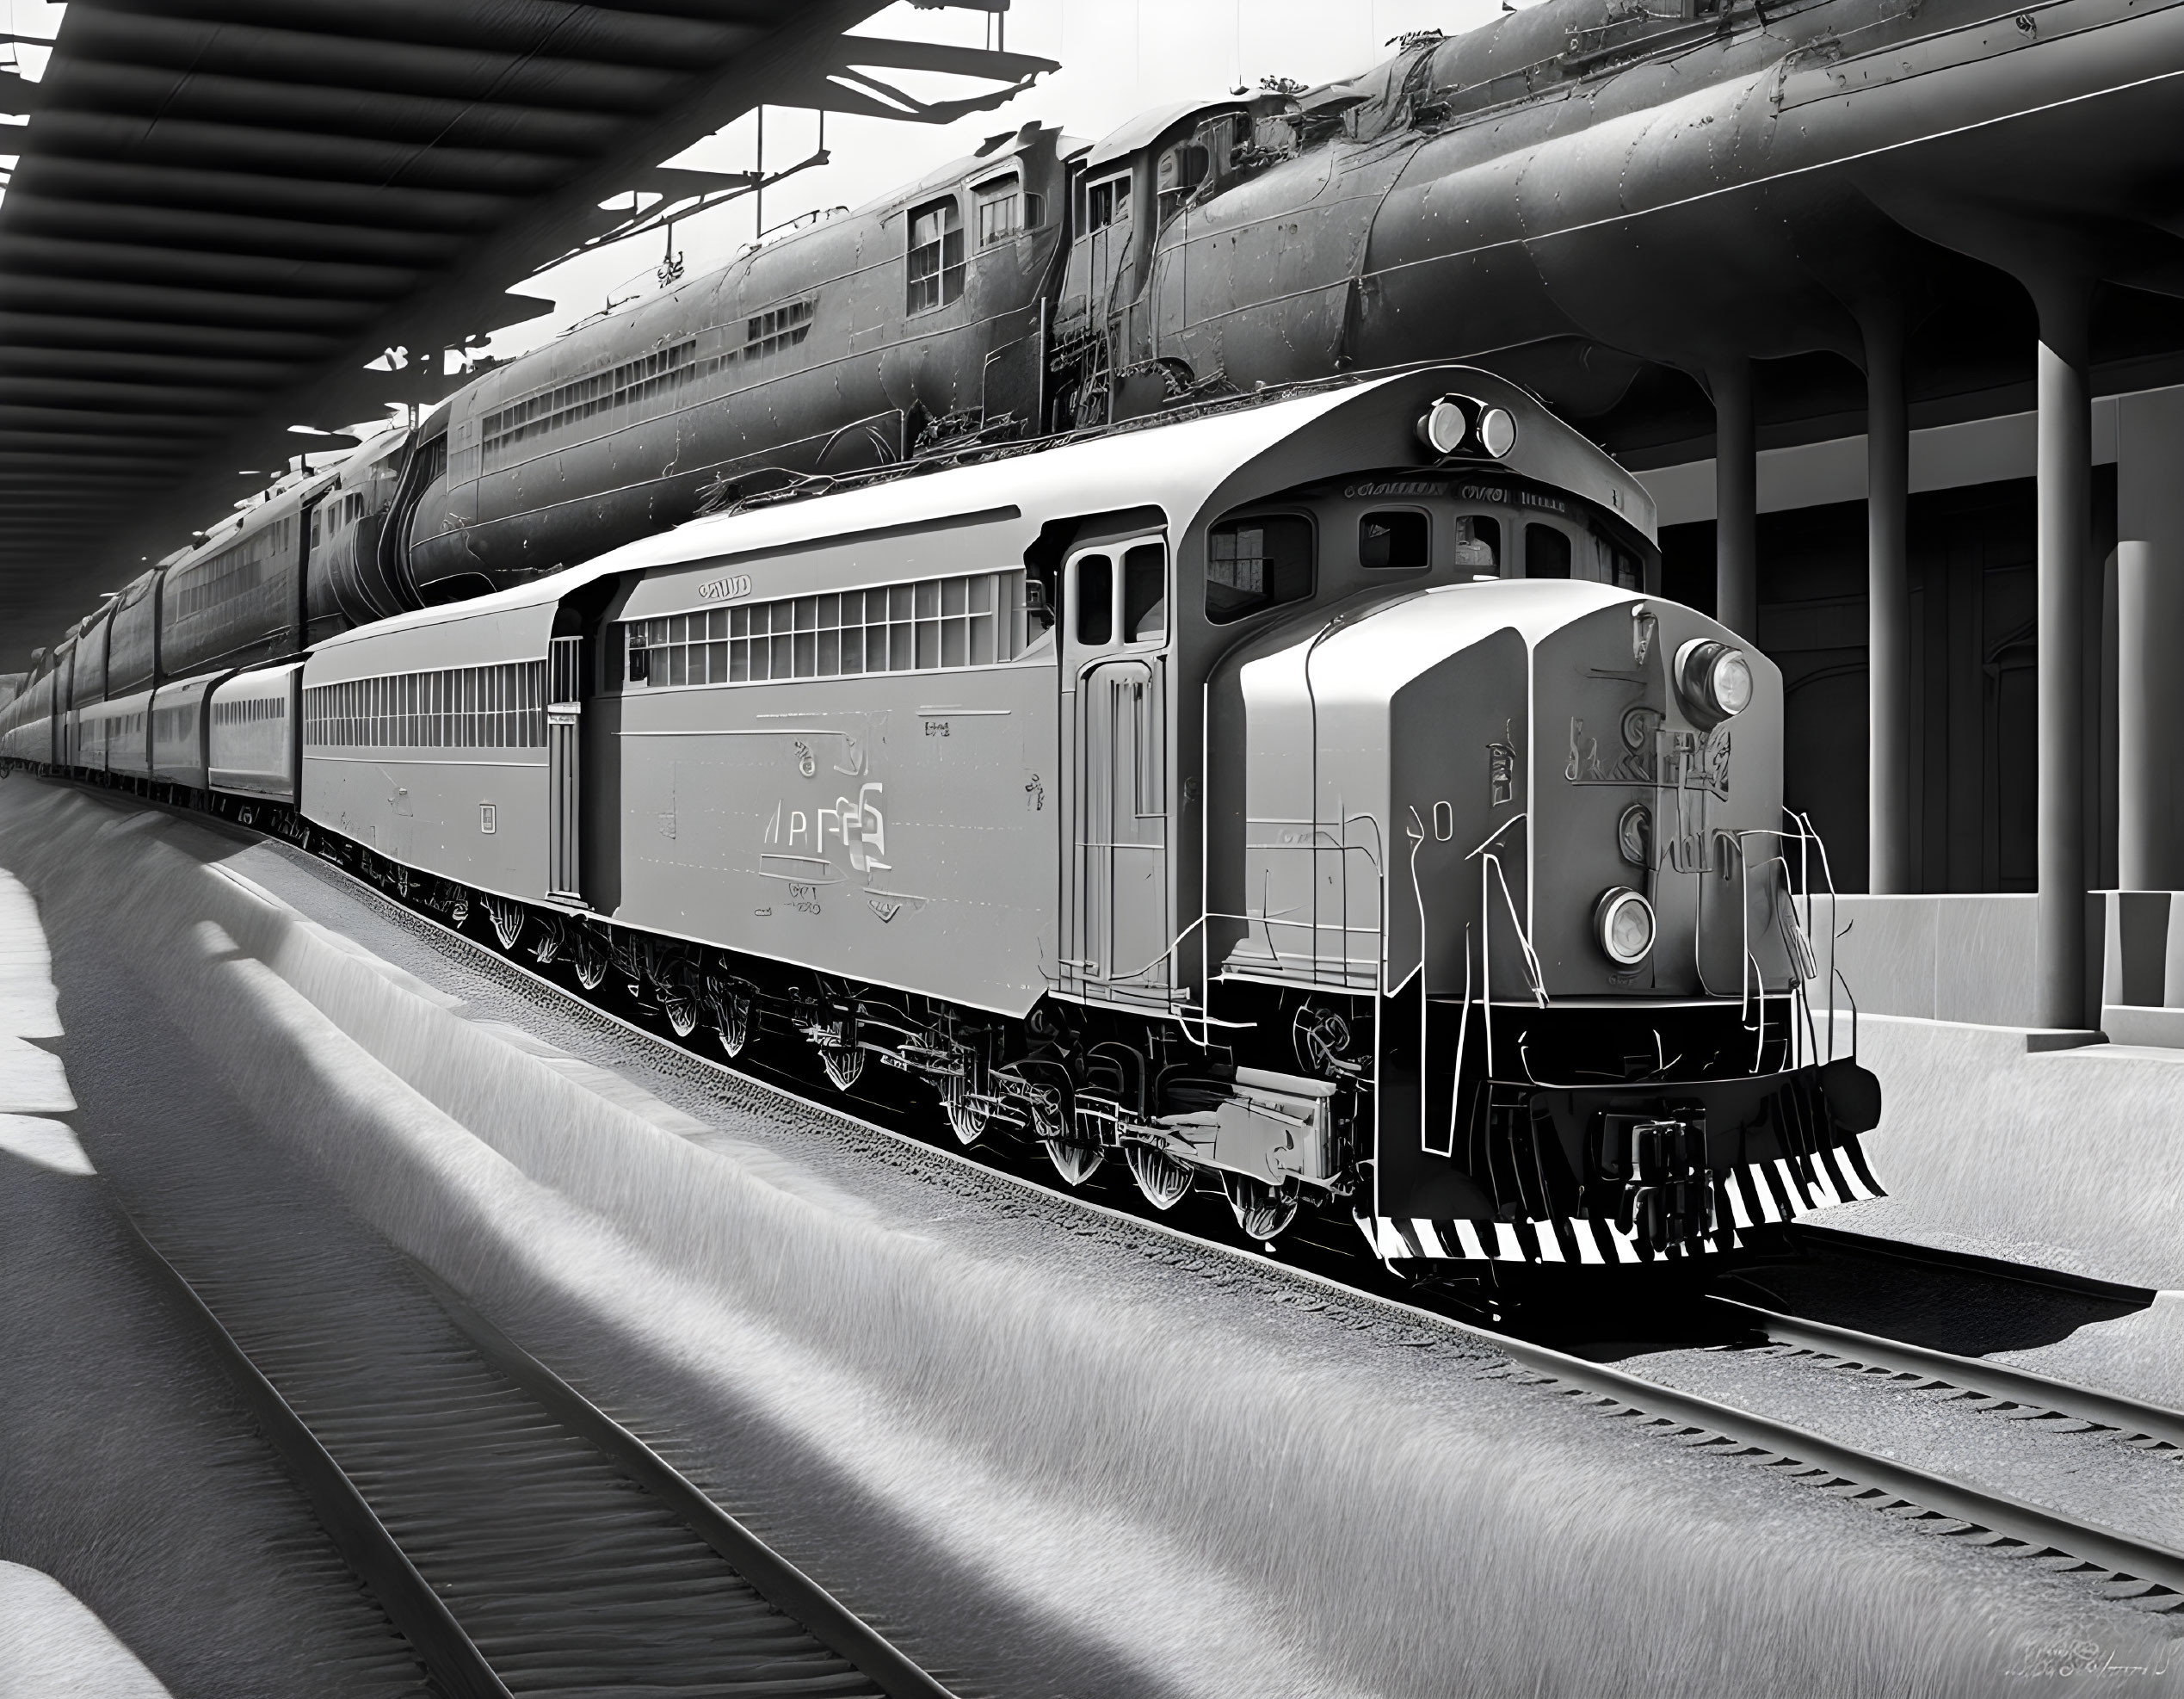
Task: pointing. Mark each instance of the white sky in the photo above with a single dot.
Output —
(1118, 58)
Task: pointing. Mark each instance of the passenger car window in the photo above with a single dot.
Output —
(1546, 553)
(1095, 599)
(1144, 594)
(1396, 540)
(1257, 563)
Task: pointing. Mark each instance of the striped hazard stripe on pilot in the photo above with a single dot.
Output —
(1755, 1195)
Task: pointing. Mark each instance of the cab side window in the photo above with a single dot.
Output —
(935, 254)
(1106, 203)
(1095, 599)
(1399, 540)
(1257, 563)
(1144, 594)
(1546, 553)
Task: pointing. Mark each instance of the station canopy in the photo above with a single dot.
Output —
(223, 211)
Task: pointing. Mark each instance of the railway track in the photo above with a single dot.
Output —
(2118, 1562)
(522, 1538)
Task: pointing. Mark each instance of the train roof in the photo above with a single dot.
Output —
(1192, 468)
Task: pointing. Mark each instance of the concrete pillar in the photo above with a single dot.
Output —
(2063, 464)
(1890, 723)
(1735, 499)
(2150, 629)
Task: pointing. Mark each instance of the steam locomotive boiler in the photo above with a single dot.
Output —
(1307, 797)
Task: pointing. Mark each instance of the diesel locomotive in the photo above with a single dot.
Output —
(1306, 794)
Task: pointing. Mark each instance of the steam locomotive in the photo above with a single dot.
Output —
(1304, 793)
(1526, 196)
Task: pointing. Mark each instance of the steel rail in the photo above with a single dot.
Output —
(825, 1617)
(1978, 1375)
(1998, 1512)
(447, 1651)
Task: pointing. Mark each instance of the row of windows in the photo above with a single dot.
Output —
(458, 708)
(235, 569)
(1268, 560)
(627, 384)
(778, 328)
(974, 620)
(338, 515)
(249, 711)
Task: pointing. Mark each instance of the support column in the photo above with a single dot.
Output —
(2150, 628)
(1735, 499)
(2065, 537)
(1888, 617)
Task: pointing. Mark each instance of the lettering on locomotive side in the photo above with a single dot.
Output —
(859, 825)
(732, 588)
(1387, 489)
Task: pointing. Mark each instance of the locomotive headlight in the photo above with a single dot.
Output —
(1714, 679)
(1623, 922)
(1497, 432)
(1447, 424)
(1459, 424)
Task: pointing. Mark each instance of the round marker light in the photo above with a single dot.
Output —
(1714, 679)
(1623, 922)
(1497, 432)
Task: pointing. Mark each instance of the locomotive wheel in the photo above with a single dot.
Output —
(967, 1116)
(843, 1065)
(731, 1025)
(1163, 1178)
(508, 922)
(682, 1011)
(1075, 1162)
(1264, 1212)
(591, 968)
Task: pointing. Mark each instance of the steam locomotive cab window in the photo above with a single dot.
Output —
(1182, 168)
(935, 254)
(1396, 540)
(1546, 553)
(998, 210)
(1257, 563)
(1107, 202)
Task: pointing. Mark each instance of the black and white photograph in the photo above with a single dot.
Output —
(1087, 850)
